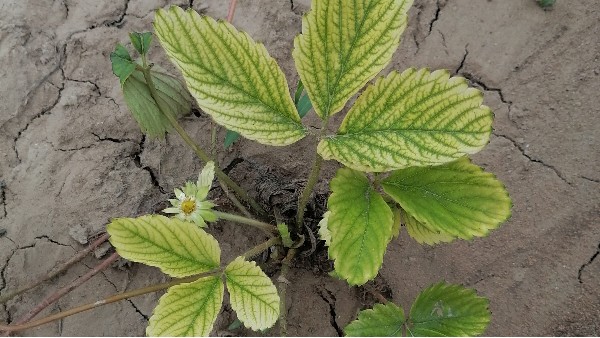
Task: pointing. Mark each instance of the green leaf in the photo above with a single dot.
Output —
(422, 234)
(458, 198)
(171, 92)
(343, 45)
(231, 77)
(122, 65)
(304, 105)
(381, 321)
(448, 310)
(178, 248)
(253, 296)
(230, 138)
(360, 224)
(141, 41)
(299, 90)
(187, 310)
(416, 118)
(284, 232)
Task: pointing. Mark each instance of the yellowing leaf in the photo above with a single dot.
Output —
(178, 248)
(360, 224)
(380, 321)
(324, 233)
(231, 77)
(343, 45)
(416, 118)
(253, 296)
(448, 310)
(422, 234)
(187, 310)
(457, 199)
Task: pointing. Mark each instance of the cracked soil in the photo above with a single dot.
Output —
(71, 155)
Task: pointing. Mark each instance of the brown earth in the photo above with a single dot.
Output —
(71, 156)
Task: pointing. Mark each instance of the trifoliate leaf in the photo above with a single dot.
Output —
(422, 234)
(171, 93)
(122, 65)
(416, 118)
(458, 198)
(231, 77)
(253, 296)
(324, 233)
(141, 41)
(178, 248)
(343, 45)
(381, 321)
(448, 310)
(187, 310)
(360, 224)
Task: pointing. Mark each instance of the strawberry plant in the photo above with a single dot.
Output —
(403, 146)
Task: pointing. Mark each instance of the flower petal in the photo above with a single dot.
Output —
(179, 194)
(171, 211)
(197, 218)
(207, 175)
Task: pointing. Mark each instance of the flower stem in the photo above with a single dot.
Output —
(188, 140)
(267, 228)
(105, 301)
(261, 247)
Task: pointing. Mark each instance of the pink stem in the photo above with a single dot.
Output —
(231, 11)
(70, 287)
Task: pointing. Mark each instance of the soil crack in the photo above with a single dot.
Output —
(586, 264)
(138, 163)
(462, 61)
(329, 298)
(3, 198)
(522, 150)
(435, 18)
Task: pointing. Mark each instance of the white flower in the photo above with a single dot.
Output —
(190, 203)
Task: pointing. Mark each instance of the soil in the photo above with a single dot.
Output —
(72, 158)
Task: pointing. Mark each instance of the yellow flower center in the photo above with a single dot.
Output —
(188, 206)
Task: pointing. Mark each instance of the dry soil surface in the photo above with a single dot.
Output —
(72, 158)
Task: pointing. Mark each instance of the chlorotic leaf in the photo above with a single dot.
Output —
(187, 310)
(141, 41)
(171, 93)
(381, 321)
(122, 65)
(343, 45)
(458, 198)
(253, 296)
(360, 224)
(324, 232)
(422, 234)
(397, 225)
(448, 310)
(416, 118)
(231, 77)
(178, 248)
